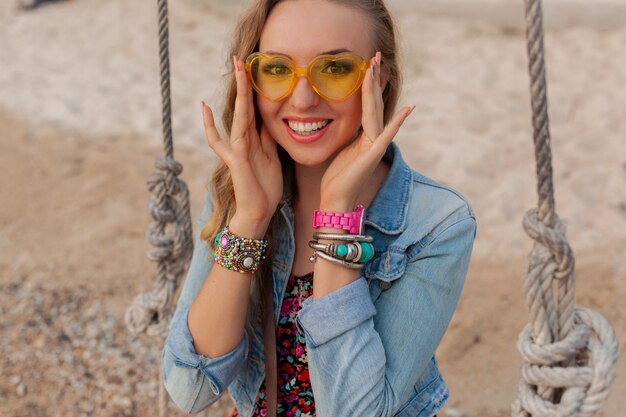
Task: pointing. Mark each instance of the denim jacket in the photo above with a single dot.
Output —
(370, 344)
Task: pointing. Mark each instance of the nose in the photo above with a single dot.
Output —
(303, 95)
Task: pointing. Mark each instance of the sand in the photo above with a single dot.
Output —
(80, 127)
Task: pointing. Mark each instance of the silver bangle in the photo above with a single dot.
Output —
(351, 252)
(359, 252)
(324, 247)
(355, 250)
(342, 237)
(341, 262)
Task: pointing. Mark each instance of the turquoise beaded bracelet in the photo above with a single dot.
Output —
(237, 253)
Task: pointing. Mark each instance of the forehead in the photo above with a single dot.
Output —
(303, 29)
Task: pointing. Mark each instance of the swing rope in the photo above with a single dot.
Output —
(568, 353)
(171, 233)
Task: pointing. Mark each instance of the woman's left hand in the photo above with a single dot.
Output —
(350, 170)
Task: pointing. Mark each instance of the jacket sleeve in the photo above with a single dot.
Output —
(192, 380)
(365, 358)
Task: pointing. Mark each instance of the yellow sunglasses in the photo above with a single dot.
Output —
(333, 77)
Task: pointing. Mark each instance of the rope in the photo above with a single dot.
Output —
(171, 232)
(568, 353)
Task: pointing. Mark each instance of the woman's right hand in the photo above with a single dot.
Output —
(253, 162)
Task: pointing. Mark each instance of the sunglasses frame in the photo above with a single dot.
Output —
(298, 72)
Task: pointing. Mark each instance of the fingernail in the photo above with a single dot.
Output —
(410, 111)
(235, 63)
(379, 57)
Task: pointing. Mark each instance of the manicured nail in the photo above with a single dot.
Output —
(410, 111)
(235, 63)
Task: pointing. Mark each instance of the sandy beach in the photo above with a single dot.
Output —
(80, 128)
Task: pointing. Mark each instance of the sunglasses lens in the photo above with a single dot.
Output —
(338, 77)
(334, 77)
(271, 76)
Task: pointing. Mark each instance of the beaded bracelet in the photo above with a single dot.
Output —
(237, 253)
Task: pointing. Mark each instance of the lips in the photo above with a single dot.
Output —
(307, 130)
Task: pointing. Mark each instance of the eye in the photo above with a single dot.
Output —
(338, 67)
(276, 68)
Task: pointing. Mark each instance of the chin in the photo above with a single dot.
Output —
(309, 159)
(319, 153)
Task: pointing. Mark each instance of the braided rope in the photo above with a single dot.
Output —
(171, 232)
(568, 353)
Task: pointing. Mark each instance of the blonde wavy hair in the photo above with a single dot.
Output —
(246, 41)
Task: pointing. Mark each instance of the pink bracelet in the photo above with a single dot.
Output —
(353, 222)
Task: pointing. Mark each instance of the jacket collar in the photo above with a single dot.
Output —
(388, 211)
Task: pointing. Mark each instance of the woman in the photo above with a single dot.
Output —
(309, 127)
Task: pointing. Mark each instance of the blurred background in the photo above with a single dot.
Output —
(80, 128)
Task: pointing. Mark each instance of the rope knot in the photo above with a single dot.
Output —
(553, 241)
(172, 240)
(580, 367)
(165, 179)
(169, 165)
(149, 312)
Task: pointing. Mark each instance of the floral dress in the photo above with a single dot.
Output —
(294, 395)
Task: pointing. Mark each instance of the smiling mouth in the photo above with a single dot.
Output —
(305, 129)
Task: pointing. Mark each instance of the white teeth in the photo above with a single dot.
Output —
(306, 128)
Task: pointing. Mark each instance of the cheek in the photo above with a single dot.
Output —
(264, 106)
(351, 110)
(268, 111)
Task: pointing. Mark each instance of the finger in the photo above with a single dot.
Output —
(268, 143)
(378, 94)
(372, 118)
(251, 112)
(380, 106)
(394, 125)
(240, 117)
(252, 126)
(213, 137)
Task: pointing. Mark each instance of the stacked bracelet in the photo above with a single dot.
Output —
(353, 254)
(323, 255)
(237, 253)
(342, 237)
(360, 252)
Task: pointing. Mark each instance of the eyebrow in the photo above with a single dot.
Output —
(331, 52)
(335, 51)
